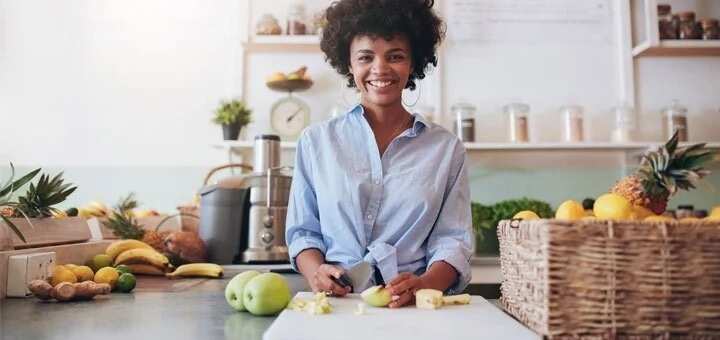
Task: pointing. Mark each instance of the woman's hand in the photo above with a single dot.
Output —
(321, 280)
(403, 288)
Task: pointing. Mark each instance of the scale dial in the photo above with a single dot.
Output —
(289, 116)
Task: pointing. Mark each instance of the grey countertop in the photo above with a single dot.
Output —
(197, 312)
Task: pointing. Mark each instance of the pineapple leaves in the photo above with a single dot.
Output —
(11, 186)
(41, 196)
(13, 227)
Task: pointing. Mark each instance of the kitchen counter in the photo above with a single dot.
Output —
(194, 309)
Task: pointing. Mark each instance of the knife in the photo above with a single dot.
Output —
(357, 276)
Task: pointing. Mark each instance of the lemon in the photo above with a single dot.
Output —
(658, 218)
(100, 261)
(712, 218)
(107, 275)
(612, 207)
(640, 213)
(715, 212)
(570, 210)
(83, 273)
(526, 215)
(62, 274)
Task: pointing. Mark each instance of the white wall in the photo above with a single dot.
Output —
(120, 93)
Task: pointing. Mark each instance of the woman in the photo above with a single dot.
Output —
(380, 184)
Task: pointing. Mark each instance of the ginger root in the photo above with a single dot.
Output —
(66, 291)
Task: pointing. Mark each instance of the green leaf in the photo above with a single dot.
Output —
(14, 228)
(19, 183)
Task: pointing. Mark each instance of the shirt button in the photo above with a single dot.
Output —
(369, 217)
(377, 182)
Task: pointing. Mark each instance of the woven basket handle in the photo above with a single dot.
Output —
(243, 166)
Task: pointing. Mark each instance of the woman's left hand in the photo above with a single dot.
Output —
(403, 288)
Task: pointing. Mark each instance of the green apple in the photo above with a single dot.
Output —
(266, 294)
(234, 289)
(377, 296)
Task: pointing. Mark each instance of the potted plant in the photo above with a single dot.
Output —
(232, 116)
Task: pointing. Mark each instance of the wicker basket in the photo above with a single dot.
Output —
(612, 280)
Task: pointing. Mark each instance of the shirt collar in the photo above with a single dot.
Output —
(419, 122)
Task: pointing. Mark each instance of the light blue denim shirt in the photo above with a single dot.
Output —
(401, 212)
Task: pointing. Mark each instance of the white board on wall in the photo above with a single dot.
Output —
(529, 21)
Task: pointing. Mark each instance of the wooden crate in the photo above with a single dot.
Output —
(68, 253)
(41, 232)
(612, 280)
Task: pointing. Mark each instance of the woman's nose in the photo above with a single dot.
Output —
(380, 65)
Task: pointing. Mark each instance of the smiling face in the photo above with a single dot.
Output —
(380, 68)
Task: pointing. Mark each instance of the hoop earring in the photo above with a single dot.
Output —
(419, 88)
(343, 91)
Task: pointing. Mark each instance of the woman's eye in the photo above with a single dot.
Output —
(397, 57)
(365, 58)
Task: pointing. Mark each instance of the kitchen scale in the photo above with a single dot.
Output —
(290, 115)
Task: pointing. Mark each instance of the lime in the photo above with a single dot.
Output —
(123, 269)
(126, 282)
(101, 261)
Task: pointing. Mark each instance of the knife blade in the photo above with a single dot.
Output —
(356, 277)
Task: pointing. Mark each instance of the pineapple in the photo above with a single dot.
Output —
(124, 226)
(39, 199)
(662, 173)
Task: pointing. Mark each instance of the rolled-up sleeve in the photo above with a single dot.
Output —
(302, 222)
(451, 239)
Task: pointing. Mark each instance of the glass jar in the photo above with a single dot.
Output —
(668, 27)
(268, 25)
(675, 119)
(573, 123)
(689, 29)
(464, 125)
(624, 124)
(518, 118)
(684, 211)
(296, 19)
(711, 29)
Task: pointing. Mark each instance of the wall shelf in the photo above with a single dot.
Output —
(598, 146)
(678, 48)
(285, 43)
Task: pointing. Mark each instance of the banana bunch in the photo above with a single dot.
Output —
(93, 209)
(139, 256)
(210, 270)
(300, 73)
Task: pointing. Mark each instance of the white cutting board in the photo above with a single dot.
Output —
(478, 320)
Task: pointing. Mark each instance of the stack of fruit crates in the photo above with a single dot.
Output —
(605, 279)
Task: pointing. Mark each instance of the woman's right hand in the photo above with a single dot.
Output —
(322, 280)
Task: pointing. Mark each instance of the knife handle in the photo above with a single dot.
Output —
(343, 281)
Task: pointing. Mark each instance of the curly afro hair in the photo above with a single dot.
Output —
(414, 19)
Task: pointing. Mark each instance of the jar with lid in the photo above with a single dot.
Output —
(689, 28)
(624, 124)
(667, 26)
(684, 211)
(296, 19)
(268, 25)
(711, 29)
(675, 119)
(573, 123)
(518, 118)
(464, 125)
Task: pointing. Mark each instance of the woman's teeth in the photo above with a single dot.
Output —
(380, 84)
